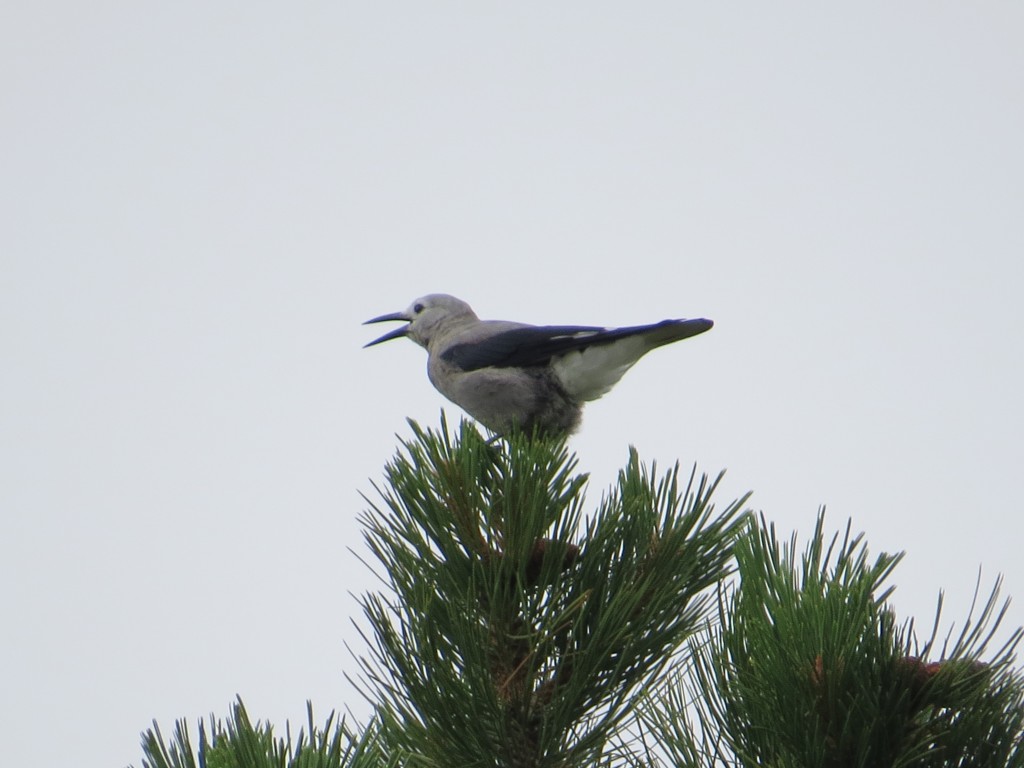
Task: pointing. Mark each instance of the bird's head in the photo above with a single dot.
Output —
(426, 318)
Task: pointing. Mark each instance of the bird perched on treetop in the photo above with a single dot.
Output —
(510, 375)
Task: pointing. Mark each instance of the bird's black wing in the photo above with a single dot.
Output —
(536, 345)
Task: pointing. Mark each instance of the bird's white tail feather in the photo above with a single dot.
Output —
(589, 373)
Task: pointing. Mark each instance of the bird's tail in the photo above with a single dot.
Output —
(667, 331)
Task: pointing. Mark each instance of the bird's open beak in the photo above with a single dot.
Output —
(395, 334)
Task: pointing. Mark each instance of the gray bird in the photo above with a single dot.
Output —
(510, 375)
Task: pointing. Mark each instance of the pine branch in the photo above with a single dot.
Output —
(516, 631)
(808, 667)
(238, 743)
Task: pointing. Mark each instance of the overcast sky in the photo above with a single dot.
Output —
(202, 201)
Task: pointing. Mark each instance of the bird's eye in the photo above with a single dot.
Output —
(418, 308)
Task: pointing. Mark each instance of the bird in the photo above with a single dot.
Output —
(514, 376)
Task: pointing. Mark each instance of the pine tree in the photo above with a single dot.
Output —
(519, 628)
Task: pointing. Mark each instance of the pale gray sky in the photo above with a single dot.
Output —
(202, 201)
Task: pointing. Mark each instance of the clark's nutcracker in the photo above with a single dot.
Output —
(511, 375)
